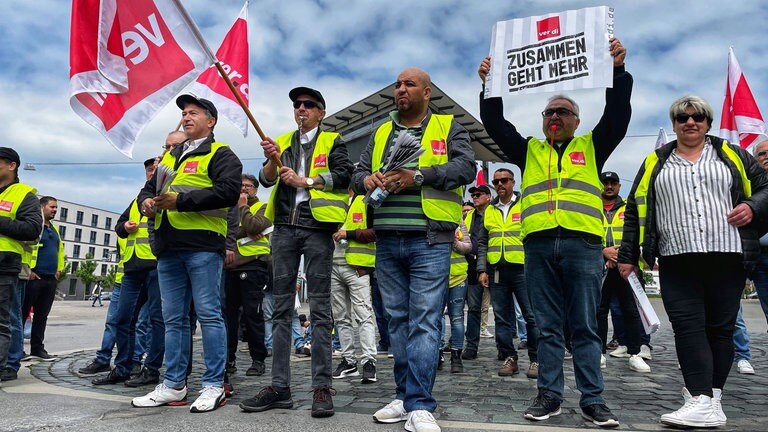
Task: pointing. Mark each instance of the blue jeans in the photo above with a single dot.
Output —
(741, 338)
(288, 244)
(564, 277)
(619, 332)
(16, 349)
(144, 333)
(522, 332)
(760, 278)
(138, 288)
(474, 306)
(268, 306)
(382, 319)
(454, 298)
(413, 278)
(104, 354)
(511, 284)
(187, 275)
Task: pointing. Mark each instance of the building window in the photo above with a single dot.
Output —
(74, 267)
(63, 213)
(78, 234)
(79, 218)
(62, 231)
(107, 238)
(105, 254)
(91, 251)
(93, 237)
(75, 254)
(72, 287)
(94, 220)
(103, 269)
(108, 223)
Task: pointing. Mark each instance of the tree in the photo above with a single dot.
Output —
(108, 281)
(85, 273)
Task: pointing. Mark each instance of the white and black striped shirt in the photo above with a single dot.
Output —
(692, 205)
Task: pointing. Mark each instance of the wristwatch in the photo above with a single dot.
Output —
(309, 181)
(418, 178)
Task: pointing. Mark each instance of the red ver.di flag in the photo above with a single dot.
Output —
(128, 58)
(549, 53)
(741, 122)
(233, 55)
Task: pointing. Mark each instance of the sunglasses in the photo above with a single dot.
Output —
(502, 180)
(697, 117)
(308, 104)
(477, 195)
(561, 112)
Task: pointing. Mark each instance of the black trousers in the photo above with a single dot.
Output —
(702, 294)
(615, 284)
(39, 294)
(245, 289)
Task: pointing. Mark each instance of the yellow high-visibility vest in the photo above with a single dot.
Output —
(504, 236)
(10, 200)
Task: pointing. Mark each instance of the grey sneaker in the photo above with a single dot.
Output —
(369, 372)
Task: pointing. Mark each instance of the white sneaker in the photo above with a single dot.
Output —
(210, 398)
(745, 367)
(392, 413)
(421, 421)
(603, 361)
(645, 352)
(696, 412)
(568, 355)
(717, 395)
(637, 364)
(161, 395)
(620, 352)
(486, 334)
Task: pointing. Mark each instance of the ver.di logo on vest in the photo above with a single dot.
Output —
(438, 147)
(357, 217)
(577, 158)
(190, 167)
(6, 206)
(321, 161)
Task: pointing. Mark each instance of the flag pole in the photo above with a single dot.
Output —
(196, 31)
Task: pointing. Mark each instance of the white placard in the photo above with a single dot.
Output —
(648, 315)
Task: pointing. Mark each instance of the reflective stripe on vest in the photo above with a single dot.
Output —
(192, 175)
(121, 248)
(326, 206)
(437, 205)
(569, 198)
(359, 254)
(641, 192)
(504, 236)
(254, 247)
(138, 242)
(10, 200)
(614, 229)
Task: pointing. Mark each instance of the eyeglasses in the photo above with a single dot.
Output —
(697, 117)
(248, 186)
(476, 195)
(561, 112)
(502, 180)
(170, 146)
(762, 153)
(307, 104)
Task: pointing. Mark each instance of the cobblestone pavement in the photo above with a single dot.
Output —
(481, 398)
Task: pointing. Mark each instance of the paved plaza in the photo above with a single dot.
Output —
(52, 396)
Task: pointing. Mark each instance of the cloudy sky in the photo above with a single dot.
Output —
(349, 50)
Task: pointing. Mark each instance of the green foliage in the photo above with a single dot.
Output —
(108, 281)
(85, 271)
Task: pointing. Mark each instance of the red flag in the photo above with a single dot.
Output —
(233, 55)
(661, 139)
(480, 179)
(740, 122)
(128, 58)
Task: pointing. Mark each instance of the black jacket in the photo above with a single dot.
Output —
(26, 227)
(286, 212)
(629, 253)
(225, 171)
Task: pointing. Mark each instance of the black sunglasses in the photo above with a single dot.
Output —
(697, 117)
(502, 180)
(561, 112)
(307, 104)
(476, 195)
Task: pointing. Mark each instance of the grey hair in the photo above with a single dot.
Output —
(697, 103)
(564, 97)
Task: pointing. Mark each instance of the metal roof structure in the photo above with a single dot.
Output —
(358, 121)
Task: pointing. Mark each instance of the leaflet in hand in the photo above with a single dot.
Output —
(405, 150)
(165, 176)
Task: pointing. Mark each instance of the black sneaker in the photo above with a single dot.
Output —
(267, 399)
(600, 415)
(41, 355)
(231, 367)
(93, 368)
(8, 374)
(523, 345)
(257, 369)
(322, 402)
(303, 352)
(110, 378)
(369, 372)
(469, 354)
(136, 369)
(146, 377)
(543, 407)
(346, 369)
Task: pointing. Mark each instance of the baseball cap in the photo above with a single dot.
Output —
(482, 188)
(609, 175)
(299, 91)
(10, 154)
(185, 99)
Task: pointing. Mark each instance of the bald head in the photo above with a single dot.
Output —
(412, 93)
(173, 139)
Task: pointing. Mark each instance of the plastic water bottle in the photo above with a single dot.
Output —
(343, 243)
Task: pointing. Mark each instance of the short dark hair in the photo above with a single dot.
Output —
(46, 199)
(252, 179)
(506, 170)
